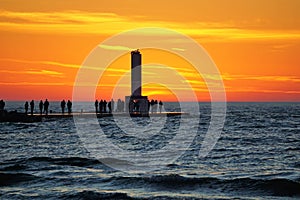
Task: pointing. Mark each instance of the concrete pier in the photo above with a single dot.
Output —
(21, 117)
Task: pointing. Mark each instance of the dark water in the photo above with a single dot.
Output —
(257, 157)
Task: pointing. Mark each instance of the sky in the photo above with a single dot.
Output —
(254, 43)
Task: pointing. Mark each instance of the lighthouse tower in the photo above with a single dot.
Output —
(136, 104)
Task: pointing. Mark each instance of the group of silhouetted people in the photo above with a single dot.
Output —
(103, 106)
(43, 106)
(153, 106)
(63, 106)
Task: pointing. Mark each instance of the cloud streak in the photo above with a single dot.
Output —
(35, 72)
(79, 22)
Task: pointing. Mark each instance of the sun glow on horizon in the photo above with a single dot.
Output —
(255, 49)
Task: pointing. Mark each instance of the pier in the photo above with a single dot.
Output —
(27, 118)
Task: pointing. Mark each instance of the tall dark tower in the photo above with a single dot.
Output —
(136, 74)
(136, 104)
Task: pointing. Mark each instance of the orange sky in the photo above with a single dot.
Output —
(254, 43)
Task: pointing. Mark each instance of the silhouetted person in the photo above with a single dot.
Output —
(160, 106)
(2, 104)
(41, 105)
(31, 107)
(149, 105)
(104, 106)
(152, 105)
(155, 106)
(122, 105)
(26, 105)
(137, 106)
(109, 107)
(119, 105)
(131, 106)
(96, 105)
(112, 105)
(69, 106)
(63, 106)
(101, 106)
(46, 106)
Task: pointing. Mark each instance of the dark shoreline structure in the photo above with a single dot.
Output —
(136, 105)
(14, 116)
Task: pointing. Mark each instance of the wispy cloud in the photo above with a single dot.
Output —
(36, 84)
(35, 72)
(79, 22)
(261, 78)
(178, 49)
(43, 62)
(115, 47)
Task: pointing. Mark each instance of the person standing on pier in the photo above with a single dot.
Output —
(31, 107)
(155, 106)
(104, 106)
(109, 107)
(152, 105)
(69, 106)
(46, 106)
(41, 105)
(26, 107)
(112, 105)
(119, 105)
(101, 106)
(63, 106)
(96, 105)
(2, 104)
(160, 106)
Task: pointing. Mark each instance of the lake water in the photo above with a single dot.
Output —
(256, 156)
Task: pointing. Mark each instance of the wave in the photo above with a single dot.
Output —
(117, 195)
(8, 179)
(11, 174)
(274, 187)
(18, 164)
(95, 195)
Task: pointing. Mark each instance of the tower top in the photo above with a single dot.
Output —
(135, 51)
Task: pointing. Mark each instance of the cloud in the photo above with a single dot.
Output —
(178, 49)
(36, 84)
(261, 78)
(258, 90)
(37, 72)
(79, 22)
(114, 47)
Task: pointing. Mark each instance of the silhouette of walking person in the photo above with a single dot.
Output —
(46, 106)
(96, 105)
(63, 106)
(104, 106)
(2, 104)
(160, 106)
(31, 107)
(109, 107)
(149, 105)
(155, 106)
(41, 105)
(69, 106)
(112, 102)
(101, 106)
(152, 105)
(119, 105)
(26, 105)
